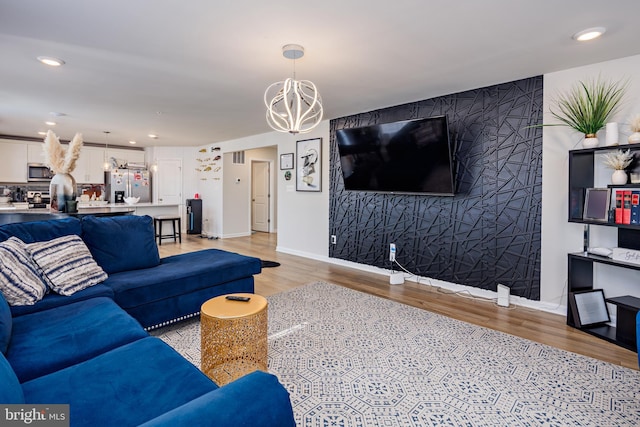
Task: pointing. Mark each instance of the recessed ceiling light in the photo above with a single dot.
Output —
(132, 142)
(153, 136)
(42, 133)
(49, 60)
(589, 34)
(50, 123)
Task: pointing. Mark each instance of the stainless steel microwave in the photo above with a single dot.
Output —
(38, 172)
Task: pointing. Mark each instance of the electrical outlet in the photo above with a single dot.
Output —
(392, 252)
(333, 239)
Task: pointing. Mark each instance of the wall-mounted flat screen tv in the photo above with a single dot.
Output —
(412, 156)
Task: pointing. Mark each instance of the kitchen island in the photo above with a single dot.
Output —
(9, 216)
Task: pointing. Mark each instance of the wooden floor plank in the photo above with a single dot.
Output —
(296, 271)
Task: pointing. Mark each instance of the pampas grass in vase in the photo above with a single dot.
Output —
(618, 161)
(55, 156)
(63, 185)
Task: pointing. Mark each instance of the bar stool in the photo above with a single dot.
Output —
(176, 235)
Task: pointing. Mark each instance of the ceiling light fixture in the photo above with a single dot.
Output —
(132, 142)
(589, 34)
(50, 123)
(293, 106)
(153, 136)
(51, 61)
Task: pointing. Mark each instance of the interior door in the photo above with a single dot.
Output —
(169, 178)
(260, 196)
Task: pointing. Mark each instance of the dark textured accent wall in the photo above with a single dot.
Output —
(488, 233)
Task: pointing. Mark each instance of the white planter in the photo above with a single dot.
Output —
(634, 138)
(619, 177)
(590, 142)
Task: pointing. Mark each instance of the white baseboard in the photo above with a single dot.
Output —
(482, 293)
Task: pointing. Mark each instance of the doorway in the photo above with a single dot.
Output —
(260, 196)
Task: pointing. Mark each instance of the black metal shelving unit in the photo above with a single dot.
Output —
(581, 265)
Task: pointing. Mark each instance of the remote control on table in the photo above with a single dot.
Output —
(237, 298)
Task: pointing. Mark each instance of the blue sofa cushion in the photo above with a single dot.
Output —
(39, 231)
(6, 324)
(10, 389)
(67, 263)
(255, 400)
(20, 279)
(121, 243)
(51, 340)
(125, 386)
(180, 274)
(52, 300)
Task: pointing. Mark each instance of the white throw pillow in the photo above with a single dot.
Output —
(67, 263)
(20, 280)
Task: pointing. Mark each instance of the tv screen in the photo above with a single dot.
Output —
(412, 156)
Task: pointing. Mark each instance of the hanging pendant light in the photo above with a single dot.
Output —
(293, 106)
(106, 165)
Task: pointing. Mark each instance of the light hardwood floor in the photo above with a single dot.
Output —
(296, 271)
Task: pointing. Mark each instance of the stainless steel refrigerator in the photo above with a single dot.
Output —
(121, 183)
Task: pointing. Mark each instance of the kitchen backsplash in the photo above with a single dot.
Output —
(18, 192)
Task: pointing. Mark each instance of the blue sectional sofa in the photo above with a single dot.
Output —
(90, 350)
(153, 290)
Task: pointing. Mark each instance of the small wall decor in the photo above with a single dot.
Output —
(309, 165)
(286, 161)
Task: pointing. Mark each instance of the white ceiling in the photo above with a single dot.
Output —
(194, 71)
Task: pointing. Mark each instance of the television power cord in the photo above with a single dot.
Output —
(464, 293)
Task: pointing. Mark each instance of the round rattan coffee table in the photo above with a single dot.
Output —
(233, 337)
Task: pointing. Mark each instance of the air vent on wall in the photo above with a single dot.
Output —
(238, 157)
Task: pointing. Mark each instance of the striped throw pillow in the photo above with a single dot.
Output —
(20, 280)
(67, 263)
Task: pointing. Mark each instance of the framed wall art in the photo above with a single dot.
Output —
(309, 165)
(286, 161)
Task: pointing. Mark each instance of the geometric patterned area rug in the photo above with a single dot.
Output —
(351, 359)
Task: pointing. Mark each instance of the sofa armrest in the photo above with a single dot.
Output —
(255, 400)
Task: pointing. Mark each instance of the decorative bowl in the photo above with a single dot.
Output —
(131, 200)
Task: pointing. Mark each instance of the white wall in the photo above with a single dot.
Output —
(303, 216)
(560, 237)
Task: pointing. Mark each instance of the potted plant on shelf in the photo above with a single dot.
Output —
(618, 161)
(588, 106)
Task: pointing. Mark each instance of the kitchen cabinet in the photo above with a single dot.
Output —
(35, 153)
(14, 156)
(124, 156)
(90, 166)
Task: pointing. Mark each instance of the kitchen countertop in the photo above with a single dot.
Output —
(11, 214)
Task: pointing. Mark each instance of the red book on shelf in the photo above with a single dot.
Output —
(619, 196)
(626, 207)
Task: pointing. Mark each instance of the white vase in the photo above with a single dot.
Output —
(619, 177)
(61, 189)
(634, 138)
(590, 141)
(612, 134)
